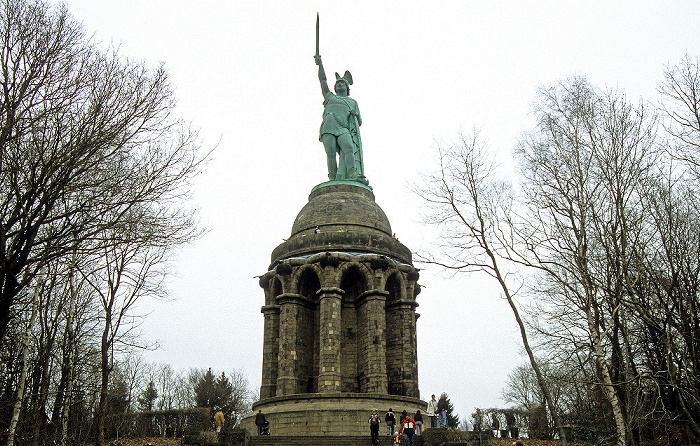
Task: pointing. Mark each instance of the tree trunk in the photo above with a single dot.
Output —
(523, 334)
(23, 373)
(42, 382)
(608, 387)
(105, 369)
(68, 357)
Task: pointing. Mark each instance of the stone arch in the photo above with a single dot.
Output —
(364, 272)
(303, 278)
(354, 282)
(307, 284)
(395, 284)
(276, 289)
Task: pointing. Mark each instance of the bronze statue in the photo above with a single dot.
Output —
(340, 129)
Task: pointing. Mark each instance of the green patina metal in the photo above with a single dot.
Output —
(357, 183)
(340, 128)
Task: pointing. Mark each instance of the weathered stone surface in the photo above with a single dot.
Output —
(340, 319)
(348, 219)
(338, 414)
(343, 205)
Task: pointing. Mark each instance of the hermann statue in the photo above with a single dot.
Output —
(340, 129)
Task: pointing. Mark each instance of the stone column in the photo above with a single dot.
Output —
(374, 341)
(329, 335)
(409, 353)
(287, 379)
(268, 387)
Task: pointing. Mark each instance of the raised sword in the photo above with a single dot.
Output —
(317, 54)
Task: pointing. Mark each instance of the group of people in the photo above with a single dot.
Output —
(408, 426)
(437, 411)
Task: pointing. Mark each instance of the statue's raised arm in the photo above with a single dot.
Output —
(340, 129)
(322, 76)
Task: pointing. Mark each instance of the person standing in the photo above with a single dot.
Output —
(478, 420)
(374, 427)
(432, 411)
(219, 419)
(495, 425)
(408, 428)
(442, 410)
(260, 421)
(390, 422)
(418, 418)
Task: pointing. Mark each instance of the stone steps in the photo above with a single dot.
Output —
(357, 440)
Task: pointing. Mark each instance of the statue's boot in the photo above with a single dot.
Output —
(352, 174)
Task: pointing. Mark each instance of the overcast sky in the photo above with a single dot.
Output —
(244, 75)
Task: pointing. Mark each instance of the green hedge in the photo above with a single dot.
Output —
(166, 423)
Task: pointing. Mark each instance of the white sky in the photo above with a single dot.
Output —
(244, 74)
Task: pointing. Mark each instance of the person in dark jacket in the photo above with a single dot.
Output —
(374, 427)
(495, 425)
(260, 421)
(442, 410)
(390, 422)
(418, 418)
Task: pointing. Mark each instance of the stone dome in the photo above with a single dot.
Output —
(341, 206)
(348, 219)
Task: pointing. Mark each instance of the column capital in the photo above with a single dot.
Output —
(330, 292)
(270, 309)
(404, 304)
(373, 295)
(292, 298)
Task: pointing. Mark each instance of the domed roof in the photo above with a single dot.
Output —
(348, 220)
(341, 205)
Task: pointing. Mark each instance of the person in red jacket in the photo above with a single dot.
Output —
(408, 428)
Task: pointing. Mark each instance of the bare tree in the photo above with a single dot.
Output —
(91, 165)
(681, 104)
(80, 130)
(470, 206)
(666, 298)
(21, 386)
(165, 380)
(128, 271)
(585, 170)
(521, 387)
(132, 367)
(577, 223)
(241, 396)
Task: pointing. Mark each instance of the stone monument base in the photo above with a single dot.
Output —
(335, 414)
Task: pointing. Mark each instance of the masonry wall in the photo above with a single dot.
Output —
(348, 348)
(271, 346)
(374, 341)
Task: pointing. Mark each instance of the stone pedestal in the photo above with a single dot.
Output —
(340, 319)
(338, 414)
